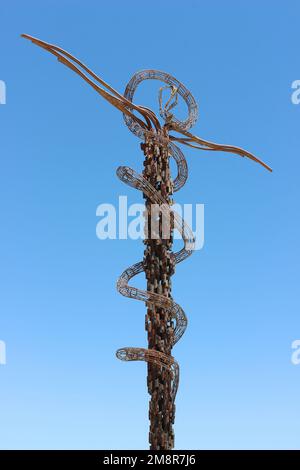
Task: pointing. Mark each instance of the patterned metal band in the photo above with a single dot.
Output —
(138, 77)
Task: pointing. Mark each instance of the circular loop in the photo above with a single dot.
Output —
(138, 77)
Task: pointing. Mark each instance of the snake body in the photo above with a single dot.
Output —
(137, 181)
(132, 178)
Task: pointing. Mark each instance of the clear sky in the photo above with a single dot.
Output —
(60, 314)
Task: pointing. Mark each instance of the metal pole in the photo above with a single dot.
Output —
(159, 267)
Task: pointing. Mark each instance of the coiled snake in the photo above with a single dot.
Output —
(137, 181)
(144, 123)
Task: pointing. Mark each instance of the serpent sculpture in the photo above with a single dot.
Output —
(165, 319)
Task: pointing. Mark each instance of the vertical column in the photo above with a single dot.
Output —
(159, 267)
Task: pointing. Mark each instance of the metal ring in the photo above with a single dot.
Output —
(138, 77)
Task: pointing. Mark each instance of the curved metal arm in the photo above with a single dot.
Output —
(148, 117)
(201, 144)
(114, 97)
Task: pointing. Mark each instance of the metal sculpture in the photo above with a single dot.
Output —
(165, 319)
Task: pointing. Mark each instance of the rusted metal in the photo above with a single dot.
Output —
(165, 321)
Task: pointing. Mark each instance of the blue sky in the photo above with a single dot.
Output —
(61, 316)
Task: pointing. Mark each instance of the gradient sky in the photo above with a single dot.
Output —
(61, 316)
